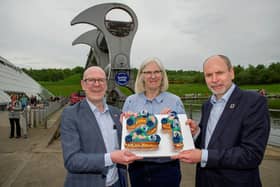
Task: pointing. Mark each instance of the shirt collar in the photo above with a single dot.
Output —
(94, 108)
(225, 97)
(158, 98)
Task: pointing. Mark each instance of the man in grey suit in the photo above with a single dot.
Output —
(91, 136)
(233, 131)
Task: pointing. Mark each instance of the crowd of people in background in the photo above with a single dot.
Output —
(17, 113)
(20, 112)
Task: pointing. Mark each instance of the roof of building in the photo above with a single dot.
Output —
(13, 80)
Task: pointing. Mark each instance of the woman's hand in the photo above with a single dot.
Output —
(166, 111)
(126, 115)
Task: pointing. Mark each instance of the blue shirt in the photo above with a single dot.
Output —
(215, 114)
(139, 102)
(109, 133)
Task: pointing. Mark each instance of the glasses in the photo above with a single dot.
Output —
(150, 73)
(92, 81)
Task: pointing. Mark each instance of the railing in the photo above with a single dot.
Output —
(193, 112)
(38, 115)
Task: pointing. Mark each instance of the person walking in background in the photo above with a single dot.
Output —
(14, 109)
(14, 98)
(33, 100)
(151, 95)
(24, 101)
(91, 136)
(232, 134)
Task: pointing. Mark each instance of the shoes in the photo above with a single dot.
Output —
(11, 137)
(18, 136)
(25, 136)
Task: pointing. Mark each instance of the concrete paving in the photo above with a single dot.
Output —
(37, 161)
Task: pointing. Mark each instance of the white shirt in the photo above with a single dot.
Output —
(109, 133)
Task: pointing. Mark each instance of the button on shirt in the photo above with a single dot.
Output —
(215, 114)
(109, 133)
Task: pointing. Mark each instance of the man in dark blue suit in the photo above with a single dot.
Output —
(232, 134)
(91, 136)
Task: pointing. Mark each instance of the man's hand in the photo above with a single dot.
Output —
(126, 115)
(189, 156)
(124, 157)
(193, 126)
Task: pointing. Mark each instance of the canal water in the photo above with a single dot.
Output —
(274, 138)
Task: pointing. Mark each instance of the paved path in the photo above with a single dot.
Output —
(32, 162)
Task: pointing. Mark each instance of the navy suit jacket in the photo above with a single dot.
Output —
(84, 148)
(237, 145)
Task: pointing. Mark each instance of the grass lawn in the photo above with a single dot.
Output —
(72, 84)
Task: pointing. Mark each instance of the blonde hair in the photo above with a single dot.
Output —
(139, 82)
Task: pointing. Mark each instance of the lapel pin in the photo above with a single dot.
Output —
(232, 106)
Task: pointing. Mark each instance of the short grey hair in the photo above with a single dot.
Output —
(224, 58)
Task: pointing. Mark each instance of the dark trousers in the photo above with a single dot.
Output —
(116, 184)
(151, 174)
(15, 122)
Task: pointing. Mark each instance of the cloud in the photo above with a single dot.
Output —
(37, 33)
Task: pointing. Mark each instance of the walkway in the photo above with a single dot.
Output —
(31, 162)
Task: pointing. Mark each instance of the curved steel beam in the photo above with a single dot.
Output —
(119, 47)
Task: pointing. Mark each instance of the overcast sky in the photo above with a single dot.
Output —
(182, 33)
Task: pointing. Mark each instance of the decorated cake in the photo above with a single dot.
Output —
(140, 119)
(142, 127)
(171, 124)
(166, 122)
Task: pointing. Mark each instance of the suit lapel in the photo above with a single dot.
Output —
(206, 112)
(227, 115)
(116, 118)
(89, 119)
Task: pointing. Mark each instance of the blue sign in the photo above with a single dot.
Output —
(122, 78)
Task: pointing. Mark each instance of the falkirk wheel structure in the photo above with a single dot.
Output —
(110, 43)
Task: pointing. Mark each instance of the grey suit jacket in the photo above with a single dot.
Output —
(238, 142)
(84, 148)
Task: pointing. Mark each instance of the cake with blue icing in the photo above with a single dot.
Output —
(140, 119)
(142, 128)
(171, 123)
